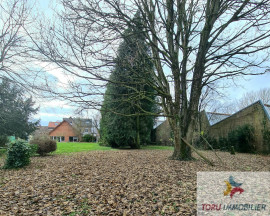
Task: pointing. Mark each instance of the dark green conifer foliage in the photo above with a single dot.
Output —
(16, 111)
(129, 99)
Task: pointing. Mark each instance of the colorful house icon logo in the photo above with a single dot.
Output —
(232, 187)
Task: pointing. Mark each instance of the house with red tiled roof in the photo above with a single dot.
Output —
(52, 125)
(64, 132)
(71, 129)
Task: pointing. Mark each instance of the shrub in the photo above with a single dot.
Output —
(89, 138)
(200, 143)
(233, 138)
(205, 140)
(242, 139)
(33, 149)
(2, 151)
(223, 144)
(18, 155)
(104, 143)
(213, 142)
(44, 145)
(232, 151)
(3, 141)
(266, 139)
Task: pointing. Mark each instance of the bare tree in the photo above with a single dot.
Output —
(14, 43)
(193, 43)
(253, 96)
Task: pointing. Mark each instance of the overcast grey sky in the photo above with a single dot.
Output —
(247, 84)
(56, 110)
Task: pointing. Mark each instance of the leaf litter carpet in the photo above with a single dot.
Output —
(127, 182)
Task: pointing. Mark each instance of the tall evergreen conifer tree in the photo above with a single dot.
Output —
(16, 111)
(129, 100)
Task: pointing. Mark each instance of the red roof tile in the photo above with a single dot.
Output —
(53, 124)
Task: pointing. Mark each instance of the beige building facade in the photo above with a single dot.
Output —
(257, 115)
(219, 125)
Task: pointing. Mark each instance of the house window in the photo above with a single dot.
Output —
(58, 138)
(86, 130)
(73, 139)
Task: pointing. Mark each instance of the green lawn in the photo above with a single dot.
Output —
(154, 147)
(2, 151)
(69, 147)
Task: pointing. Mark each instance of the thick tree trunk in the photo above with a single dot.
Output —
(181, 150)
(185, 128)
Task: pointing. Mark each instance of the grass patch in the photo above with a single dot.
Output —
(2, 152)
(69, 147)
(154, 147)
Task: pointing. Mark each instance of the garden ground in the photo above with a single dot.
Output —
(125, 182)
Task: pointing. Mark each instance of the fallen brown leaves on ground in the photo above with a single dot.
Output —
(127, 182)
